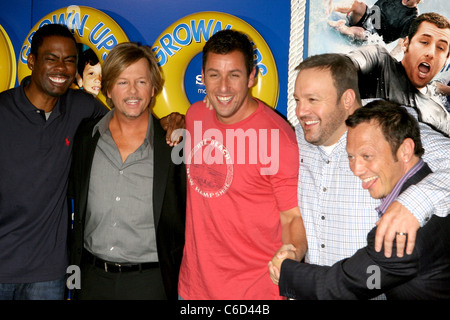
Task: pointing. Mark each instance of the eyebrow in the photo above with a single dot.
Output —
(309, 95)
(125, 78)
(216, 70)
(426, 35)
(57, 56)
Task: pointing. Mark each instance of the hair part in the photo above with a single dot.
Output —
(395, 122)
(121, 57)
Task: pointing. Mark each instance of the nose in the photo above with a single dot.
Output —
(60, 65)
(430, 51)
(224, 84)
(132, 88)
(301, 108)
(357, 166)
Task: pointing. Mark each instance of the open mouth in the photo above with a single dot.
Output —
(58, 80)
(368, 182)
(133, 101)
(424, 69)
(310, 123)
(225, 99)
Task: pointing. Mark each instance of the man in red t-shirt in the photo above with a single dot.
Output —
(242, 174)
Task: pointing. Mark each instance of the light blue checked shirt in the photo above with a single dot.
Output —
(338, 213)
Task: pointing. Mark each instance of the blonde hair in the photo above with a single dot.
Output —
(121, 57)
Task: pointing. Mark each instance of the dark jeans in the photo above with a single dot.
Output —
(45, 290)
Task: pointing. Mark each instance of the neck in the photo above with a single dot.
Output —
(411, 163)
(249, 106)
(128, 134)
(129, 126)
(38, 99)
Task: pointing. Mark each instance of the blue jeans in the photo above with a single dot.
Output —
(46, 290)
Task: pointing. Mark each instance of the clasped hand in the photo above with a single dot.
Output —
(287, 251)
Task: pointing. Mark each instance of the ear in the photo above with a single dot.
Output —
(30, 61)
(79, 80)
(406, 150)
(251, 78)
(348, 98)
(405, 44)
(203, 77)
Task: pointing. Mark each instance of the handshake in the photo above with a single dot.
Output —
(287, 251)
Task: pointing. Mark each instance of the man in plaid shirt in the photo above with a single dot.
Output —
(337, 212)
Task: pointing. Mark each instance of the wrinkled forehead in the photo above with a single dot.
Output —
(366, 134)
(58, 43)
(429, 29)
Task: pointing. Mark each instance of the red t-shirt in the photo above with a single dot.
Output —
(239, 178)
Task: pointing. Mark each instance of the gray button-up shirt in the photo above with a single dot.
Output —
(119, 217)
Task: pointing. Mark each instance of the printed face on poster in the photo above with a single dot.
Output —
(342, 26)
(329, 28)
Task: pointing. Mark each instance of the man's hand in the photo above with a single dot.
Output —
(397, 222)
(170, 124)
(287, 251)
(208, 103)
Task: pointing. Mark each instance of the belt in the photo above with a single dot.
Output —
(117, 267)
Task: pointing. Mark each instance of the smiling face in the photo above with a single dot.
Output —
(371, 159)
(426, 53)
(54, 67)
(132, 91)
(320, 113)
(92, 78)
(227, 84)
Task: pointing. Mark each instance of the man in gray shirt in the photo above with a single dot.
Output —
(128, 231)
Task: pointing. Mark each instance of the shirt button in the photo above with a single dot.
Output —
(324, 189)
(322, 217)
(322, 245)
(121, 171)
(117, 198)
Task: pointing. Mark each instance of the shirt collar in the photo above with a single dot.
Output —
(338, 147)
(103, 126)
(26, 105)
(386, 201)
